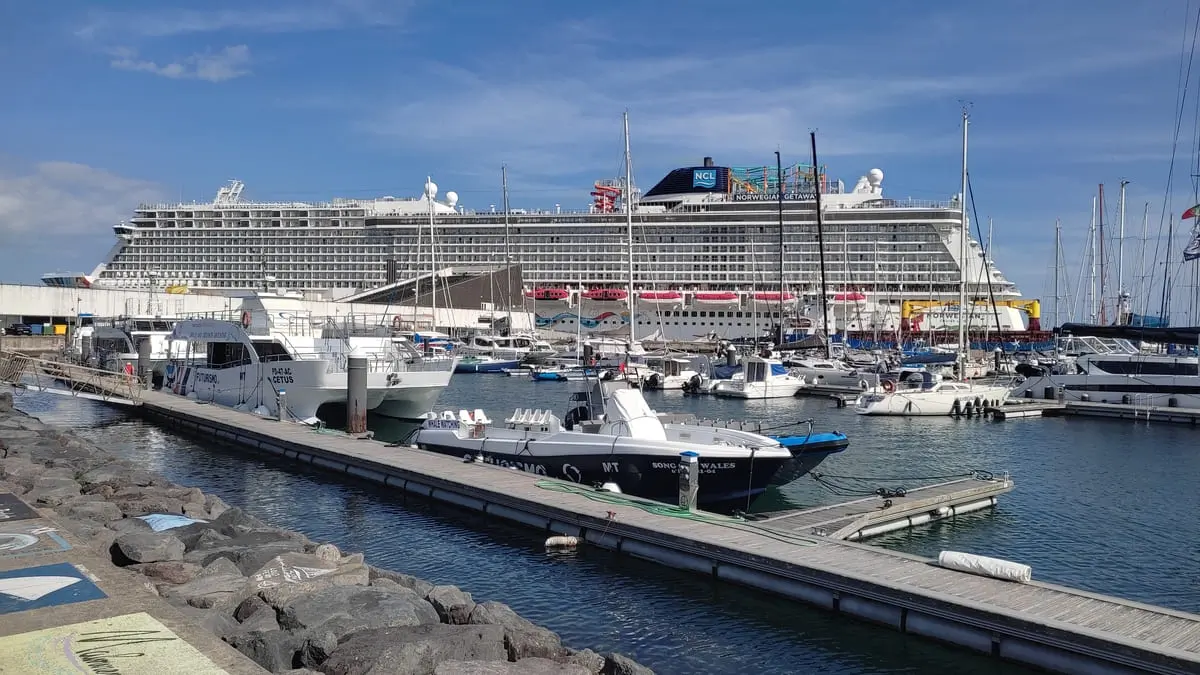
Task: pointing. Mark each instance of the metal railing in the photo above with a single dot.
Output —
(62, 377)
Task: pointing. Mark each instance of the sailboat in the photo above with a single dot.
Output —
(926, 394)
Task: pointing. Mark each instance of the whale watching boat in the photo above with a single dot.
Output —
(613, 436)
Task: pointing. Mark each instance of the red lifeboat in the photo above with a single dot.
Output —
(773, 297)
(849, 296)
(606, 294)
(548, 294)
(660, 297)
(716, 297)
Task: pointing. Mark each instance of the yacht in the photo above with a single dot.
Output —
(667, 372)
(820, 372)
(1113, 370)
(761, 378)
(921, 393)
(613, 436)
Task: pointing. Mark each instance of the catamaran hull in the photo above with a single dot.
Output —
(723, 481)
(409, 403)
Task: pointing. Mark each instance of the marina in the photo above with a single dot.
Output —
(785, 554)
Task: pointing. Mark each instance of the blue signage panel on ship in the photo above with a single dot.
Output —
(704, 178)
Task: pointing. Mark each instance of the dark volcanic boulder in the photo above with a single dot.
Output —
(346, 609)
(522, 637)
(146, 547)
(414, 649)
(452, 604)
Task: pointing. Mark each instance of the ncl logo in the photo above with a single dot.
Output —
(704, 178)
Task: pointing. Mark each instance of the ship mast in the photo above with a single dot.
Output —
(820, 244)
(629, 228)
(963, 347)
(782, 286)
(507, 250)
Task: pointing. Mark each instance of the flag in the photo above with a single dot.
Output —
(1192, 212)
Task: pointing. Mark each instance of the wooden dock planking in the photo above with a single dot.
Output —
(1085, 625)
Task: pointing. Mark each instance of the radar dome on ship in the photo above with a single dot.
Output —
(430, 189)
(452, 198)
(875, 176)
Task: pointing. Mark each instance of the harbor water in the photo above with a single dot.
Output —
(1106, 506)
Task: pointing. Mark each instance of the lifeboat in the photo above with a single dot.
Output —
(773, 297)
(660, 297)
(842, 297)
(548, 294)
(606, 294)
(716, 298)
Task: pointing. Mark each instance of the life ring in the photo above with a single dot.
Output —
(889, 386)
(245, 319)
(396, 323)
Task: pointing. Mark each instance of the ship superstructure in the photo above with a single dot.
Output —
(705, 238)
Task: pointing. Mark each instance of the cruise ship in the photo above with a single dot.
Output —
(705, 249)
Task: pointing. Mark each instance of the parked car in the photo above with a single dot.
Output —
(18, 329)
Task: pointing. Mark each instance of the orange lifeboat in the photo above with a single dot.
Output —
(716, 297)
(660, 297)
(840, 297)
(773, 297)
(606, 294)
(548, 294)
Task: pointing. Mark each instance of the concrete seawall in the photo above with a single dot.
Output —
(33, 345)
(283, 601)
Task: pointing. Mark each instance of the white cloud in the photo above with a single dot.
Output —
(226, 64)
(65, 199)
(279, 17)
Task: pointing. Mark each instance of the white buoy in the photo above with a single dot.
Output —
(562, 542)
(610, 487)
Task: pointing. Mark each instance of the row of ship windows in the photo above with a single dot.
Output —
(496, 232)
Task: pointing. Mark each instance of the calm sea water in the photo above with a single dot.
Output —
(1102, 505)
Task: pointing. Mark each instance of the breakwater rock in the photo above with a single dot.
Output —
(291, 604)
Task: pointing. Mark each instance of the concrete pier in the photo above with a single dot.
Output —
(92, 544)
(1044, 625)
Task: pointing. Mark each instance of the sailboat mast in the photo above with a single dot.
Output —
(820, 243)
(779, 180)
(431, 193)
(1100, 243)
(628, 199)
(1057, 257)
(507, 248)
(1092, 264)
(963, 347)
(1121, 253)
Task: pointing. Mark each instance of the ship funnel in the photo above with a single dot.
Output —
(708, 161)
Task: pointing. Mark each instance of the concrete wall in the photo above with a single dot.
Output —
(19, 303)
(32, 344)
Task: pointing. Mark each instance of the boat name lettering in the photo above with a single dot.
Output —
(772, 196)
(705, 467)
(281, 375)
(527, 467)
(440, 424)
(210, 378)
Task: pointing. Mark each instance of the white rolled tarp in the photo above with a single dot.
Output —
(985, 566)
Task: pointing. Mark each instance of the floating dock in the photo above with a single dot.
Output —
(1052, 627)
(1019, 408)
(876, 515)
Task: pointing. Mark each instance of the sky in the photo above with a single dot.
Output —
(111, 104)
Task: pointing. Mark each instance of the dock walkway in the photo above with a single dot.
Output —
(1041, 624)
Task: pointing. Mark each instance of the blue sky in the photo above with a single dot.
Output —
(109, 104)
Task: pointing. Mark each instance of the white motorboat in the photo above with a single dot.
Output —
(761, 378)
(923, 394)
(671, 373)
(613, 436)
(825, 372)
(114, 343)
